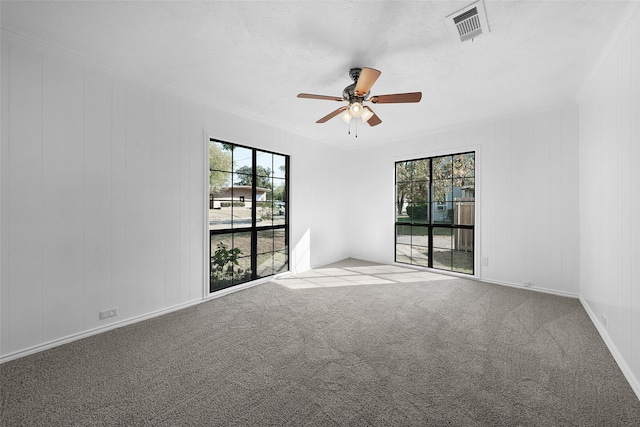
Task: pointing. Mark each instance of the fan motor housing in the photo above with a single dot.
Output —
(349, 92)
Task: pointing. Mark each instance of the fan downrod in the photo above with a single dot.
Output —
(354, 73)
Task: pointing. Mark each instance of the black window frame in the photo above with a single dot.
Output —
(254, 228)
(433, 206)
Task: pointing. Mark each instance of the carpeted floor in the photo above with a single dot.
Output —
(351, 344)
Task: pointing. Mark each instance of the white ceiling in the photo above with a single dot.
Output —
(253, 58)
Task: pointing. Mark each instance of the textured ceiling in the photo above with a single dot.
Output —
(252, 58)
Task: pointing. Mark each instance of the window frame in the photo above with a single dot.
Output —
(417, 228)
(254, 229)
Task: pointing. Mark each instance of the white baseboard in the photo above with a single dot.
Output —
(91, 332)
(633, 381)
(491, 282)
(531, 288)
(132, 320)
(628, 373)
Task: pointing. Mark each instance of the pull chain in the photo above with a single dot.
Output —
(349, 131)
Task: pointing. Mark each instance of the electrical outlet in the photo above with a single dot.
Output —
(604, 319)
(527, 284)
(108, 313)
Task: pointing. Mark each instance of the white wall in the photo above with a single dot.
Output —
(102, 181)
(103, 195)
(527, 195)
(610, 197)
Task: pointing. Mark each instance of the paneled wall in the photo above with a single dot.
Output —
(103, 196)
(526, 191)
(103, 178)
(610, 196)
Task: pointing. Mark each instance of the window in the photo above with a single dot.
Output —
(435, 212)
(248, 214)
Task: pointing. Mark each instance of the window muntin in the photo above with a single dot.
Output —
(248, 216)
(435, 212)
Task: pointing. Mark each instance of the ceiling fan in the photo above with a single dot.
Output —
(356, 94)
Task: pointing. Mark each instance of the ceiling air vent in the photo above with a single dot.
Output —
(470, 22)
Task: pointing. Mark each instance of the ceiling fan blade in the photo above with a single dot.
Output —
(397, 98)
(331, 115)
(374, 120)
(312, 96)
(368, 77)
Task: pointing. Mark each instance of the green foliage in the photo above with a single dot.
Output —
(412, 178)
(449, 171)
(220, 163)
(464, 165)
(245, 176)
(407, 173)
(224, 264)
(278, 193)
(234, 204)
(418, 212)
(409, 230)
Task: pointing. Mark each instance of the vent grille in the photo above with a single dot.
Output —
(468, 14)
(469, 22)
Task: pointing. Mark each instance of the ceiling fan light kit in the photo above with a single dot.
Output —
(355, 109)
(346, 116)
(356, 94)
(366, 114)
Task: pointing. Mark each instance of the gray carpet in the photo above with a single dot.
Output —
(352, 344)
